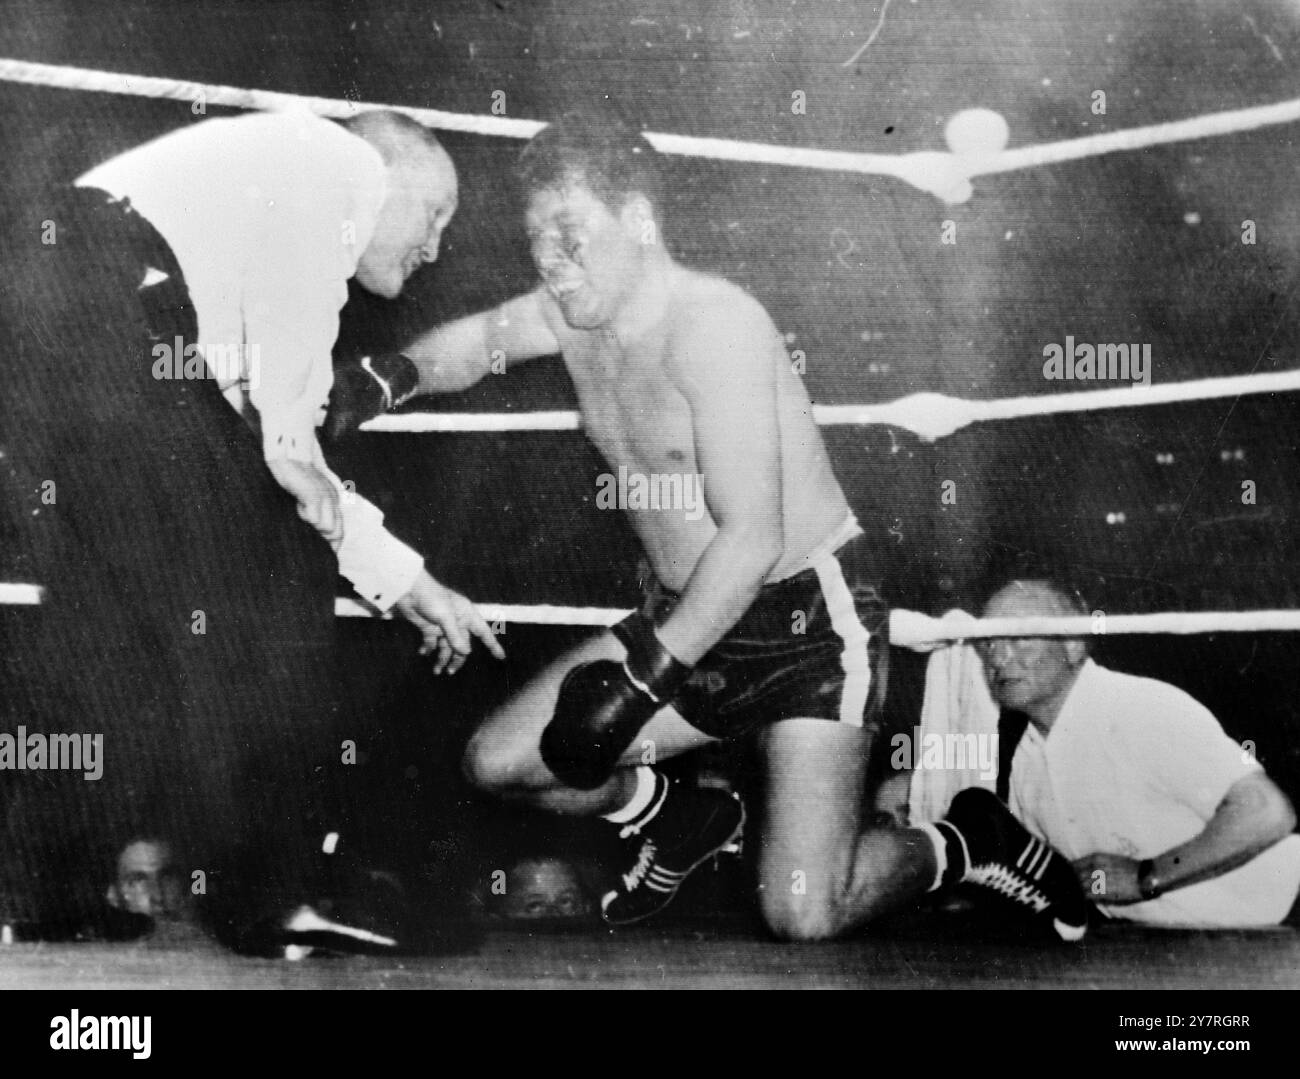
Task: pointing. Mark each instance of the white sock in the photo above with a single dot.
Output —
(642, 797)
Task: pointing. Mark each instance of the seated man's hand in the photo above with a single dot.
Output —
(366, 389)
(447, 621)
(318, 499)
(1109, 878)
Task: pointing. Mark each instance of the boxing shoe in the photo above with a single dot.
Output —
(303, 931)
(1002, 857)
(354, 908)
(690, 827)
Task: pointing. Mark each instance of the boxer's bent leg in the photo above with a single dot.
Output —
(671, 829)
(503, 756)
(819, 873)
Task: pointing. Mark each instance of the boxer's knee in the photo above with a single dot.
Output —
(799, 902)
(800, 918)
(807, 905)
(484, 766)
(497, 763)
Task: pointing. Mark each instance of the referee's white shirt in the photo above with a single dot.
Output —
(267, 215)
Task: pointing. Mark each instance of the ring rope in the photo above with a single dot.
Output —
(940, 173)
(907, 629)
(922, 632)
(931, 416)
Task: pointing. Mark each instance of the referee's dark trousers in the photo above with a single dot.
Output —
(188, 614)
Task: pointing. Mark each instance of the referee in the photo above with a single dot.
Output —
(172, 317)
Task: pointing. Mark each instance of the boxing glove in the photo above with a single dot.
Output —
(604, 704)
(369, 388)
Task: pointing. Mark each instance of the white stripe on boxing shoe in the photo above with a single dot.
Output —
(1034, 859)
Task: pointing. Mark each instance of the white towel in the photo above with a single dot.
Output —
(944, 758)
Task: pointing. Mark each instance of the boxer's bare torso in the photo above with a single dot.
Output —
(636, 412)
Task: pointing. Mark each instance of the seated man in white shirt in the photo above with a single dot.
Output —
(1166, 819)
(174, 329)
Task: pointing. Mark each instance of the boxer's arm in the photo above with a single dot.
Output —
(726, 373)
(445, 359)
(457, 354)
(721, 362)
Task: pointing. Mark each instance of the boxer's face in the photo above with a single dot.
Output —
(1030, 674)
(589, 255)
(146, 880)
(422, 194)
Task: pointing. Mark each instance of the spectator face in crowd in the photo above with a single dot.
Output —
(147, 881)
(1031, 674)
(545, 888)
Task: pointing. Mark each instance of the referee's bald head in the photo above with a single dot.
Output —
(394, 134)
(421, 198)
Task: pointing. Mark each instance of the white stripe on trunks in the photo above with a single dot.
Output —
(855, 659)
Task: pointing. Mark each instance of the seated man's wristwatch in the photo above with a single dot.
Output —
(1146, 873)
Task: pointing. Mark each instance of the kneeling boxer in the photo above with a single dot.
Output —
(762, 613)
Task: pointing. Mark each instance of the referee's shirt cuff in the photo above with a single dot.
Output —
(378, 565)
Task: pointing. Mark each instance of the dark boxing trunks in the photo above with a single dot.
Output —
(814, 645)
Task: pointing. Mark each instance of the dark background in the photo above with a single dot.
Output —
(1142, 247)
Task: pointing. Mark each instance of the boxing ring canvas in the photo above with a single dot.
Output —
(981, 279)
